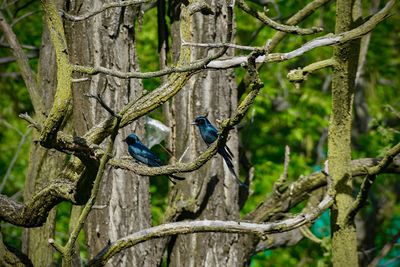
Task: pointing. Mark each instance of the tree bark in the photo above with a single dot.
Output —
(211, 192)
(344, 240)
(123, 204)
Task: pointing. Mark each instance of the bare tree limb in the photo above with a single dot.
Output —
(284, 175)
(372, 172)
(187, 227)
(298, 190)
(327, 40)
(103, 8)
(29, 55)
(34, 213)
(275, 25)
(301, 74)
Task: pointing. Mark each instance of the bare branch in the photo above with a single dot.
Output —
(372, 172)
(327, 40)
(32, 122)
(187, 227)
(104, 105)
(29, 55)
(102, 9)
(275, 25)
(284, 175)
(300, 189)
(34, 213)
(301, 74)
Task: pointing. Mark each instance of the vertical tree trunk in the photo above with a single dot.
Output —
(344, 242)
(211, 192)
(123, 205)
(44, 164)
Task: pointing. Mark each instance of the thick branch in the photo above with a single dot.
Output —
(34, 213)
(209, 226)
(275, 25)
(63, 94)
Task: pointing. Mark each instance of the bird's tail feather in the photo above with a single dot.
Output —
(228, 160)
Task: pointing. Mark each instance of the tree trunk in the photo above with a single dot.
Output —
(123, 204)
(344, 241)
(211, 192)
(44, 164)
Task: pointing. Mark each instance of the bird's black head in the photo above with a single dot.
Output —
(200, 120)
(132, 139)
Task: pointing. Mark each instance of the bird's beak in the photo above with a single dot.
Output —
(194, 123)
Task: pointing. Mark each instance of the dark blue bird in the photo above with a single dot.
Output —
(144, 155)
(209, 134)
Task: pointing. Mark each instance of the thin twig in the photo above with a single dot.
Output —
(104, 105)
(281, 180)
(31, 121)
(103, 8)
(275, 25)
(14, 159)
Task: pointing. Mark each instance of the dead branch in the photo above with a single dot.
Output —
(275, 25)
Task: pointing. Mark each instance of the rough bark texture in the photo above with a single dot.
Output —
(210, 192)
(344, 242)
(44, 164)
(123, 205)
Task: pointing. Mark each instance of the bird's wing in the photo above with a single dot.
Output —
(209, 134)
(144, 155)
